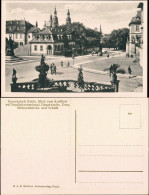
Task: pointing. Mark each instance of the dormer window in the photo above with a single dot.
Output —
(10, 28)
(18, 28)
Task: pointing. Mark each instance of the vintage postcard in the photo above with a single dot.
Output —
(74, 146)
(74, 48)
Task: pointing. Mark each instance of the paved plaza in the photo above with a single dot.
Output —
(95, 69)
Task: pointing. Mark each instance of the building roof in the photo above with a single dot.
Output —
(140, 5)
(56, 35)
(33, 30)
(136, 19)
(45, 31)
(17, 26)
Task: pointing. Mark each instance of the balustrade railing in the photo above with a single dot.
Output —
(63, 85)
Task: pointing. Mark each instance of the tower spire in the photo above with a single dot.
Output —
(50, 20)
(68, 12)
(55, 19)
(68, 19)
(36, 24)
(55, 12)
(100, 29)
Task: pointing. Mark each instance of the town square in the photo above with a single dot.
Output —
(68, 56)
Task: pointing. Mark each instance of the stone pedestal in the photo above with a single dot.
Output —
(115, 84)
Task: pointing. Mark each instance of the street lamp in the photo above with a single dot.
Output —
(136, 47)
(73, 55)
(100, 46)
(82, 50)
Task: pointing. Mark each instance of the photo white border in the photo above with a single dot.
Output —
(59, 94)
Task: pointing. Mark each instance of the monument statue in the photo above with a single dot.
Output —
(9, 47)
(42, 69)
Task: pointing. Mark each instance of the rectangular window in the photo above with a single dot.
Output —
(41, 47)
(16, 36)
(35, 47)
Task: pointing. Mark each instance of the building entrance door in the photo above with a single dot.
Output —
(49, 50)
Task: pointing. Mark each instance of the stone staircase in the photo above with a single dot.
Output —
(22, 51)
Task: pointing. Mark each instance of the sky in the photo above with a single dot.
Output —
(110, 15)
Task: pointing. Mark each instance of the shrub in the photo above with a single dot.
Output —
(121, 71)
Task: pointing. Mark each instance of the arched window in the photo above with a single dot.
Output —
(49, 47)
(21, 43)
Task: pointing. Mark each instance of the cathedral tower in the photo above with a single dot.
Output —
(68, 19)
(55, 19)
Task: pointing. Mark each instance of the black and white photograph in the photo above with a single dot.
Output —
(75, 47)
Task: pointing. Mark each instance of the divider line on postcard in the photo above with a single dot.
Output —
(75, 146)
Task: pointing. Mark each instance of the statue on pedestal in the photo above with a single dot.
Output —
(80, 78)
(14, 78)
(9, 47)
(43, 69)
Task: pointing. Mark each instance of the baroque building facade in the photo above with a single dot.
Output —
(20, 31)
(134, 45)
(52, 38)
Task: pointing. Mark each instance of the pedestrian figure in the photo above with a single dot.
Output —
(108, 56)
(61, 63)
(129, 71)
(111, 69)
(68, 64)
(54, 69)
(51, 68)
(127, 55)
